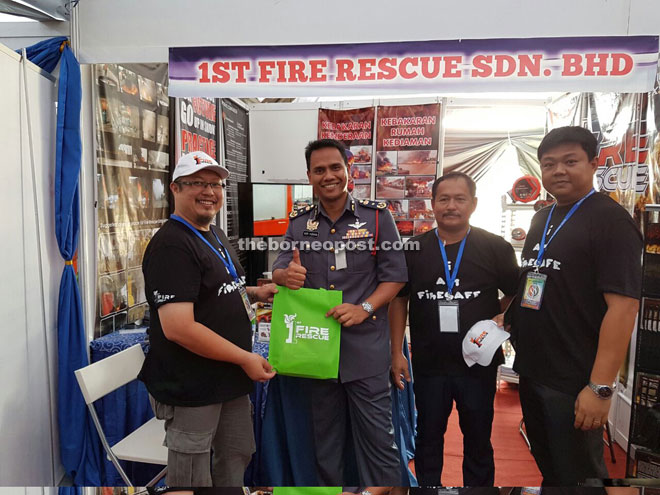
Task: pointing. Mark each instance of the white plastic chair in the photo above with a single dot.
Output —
(144, 444)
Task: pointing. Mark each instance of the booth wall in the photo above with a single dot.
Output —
(279, 133)
(24, 490)
(113, 31)
(28, 455)
(621, 408)
(22, 34)
(88, 245)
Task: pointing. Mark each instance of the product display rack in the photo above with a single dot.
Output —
(643, 460)
(510, 221)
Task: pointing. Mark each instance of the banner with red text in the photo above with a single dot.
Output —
(622, 64)
(407, 140)
(354, 128)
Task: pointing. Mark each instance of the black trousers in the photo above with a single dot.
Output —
(434, 398)
(366, 405)
(565, 455)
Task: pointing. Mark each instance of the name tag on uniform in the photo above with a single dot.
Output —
(534, 288)
(448, 316)
(340, 258)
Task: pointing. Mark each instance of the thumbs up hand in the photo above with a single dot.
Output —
(295, 273)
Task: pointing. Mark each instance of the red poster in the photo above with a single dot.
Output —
(407, 139)
(413, 127)
(355, 129)
(352, 127)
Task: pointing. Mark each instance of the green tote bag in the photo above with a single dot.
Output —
(303, 342)
(307, 490)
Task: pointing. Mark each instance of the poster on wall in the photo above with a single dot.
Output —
(619, 122)
(354, 128)
(196, 126)
(132, 114)
(235, 140)
(406, 163)
(625, 128)
(653, 159)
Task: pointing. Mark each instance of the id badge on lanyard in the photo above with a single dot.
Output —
(252, 314)
(448, 316)
(534, 287)
(229, 266)
(535, 281)
(448, 310)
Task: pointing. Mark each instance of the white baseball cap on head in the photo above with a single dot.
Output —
(193, 162)
(482, 341)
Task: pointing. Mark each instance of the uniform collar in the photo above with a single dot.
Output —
(349, 205)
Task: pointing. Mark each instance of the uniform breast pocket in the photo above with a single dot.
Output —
(360, 260)
(312, 260)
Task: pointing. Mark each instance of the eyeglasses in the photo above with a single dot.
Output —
(201, 185)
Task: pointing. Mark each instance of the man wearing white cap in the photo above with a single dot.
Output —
(200, 368)
(454, 279)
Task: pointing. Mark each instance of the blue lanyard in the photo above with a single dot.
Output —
(543, 244)
(451, 277)
(229, 264)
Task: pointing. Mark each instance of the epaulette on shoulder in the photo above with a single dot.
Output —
(376, 205)
(299, 211)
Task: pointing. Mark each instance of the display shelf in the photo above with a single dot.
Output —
(646, 463)
(643, 458)
(512, 219)
(505, 371)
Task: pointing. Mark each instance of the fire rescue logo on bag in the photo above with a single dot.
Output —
(298, 331)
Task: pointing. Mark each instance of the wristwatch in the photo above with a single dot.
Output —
(603, 391)
(368, 307)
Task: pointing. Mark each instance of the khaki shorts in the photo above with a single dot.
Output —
(193, 434)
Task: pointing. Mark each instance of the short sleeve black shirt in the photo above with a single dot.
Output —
(597, 251)
(180, 267)
(488, 264)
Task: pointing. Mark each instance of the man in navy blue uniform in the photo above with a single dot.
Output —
(337, 228)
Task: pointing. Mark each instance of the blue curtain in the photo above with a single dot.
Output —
(69, 490)
(46, 54)
(79, 442)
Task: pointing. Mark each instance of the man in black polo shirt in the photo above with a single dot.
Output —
(574, 311)
(454, 279)
(200, 368)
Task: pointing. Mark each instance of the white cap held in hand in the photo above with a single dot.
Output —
(482, 341)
